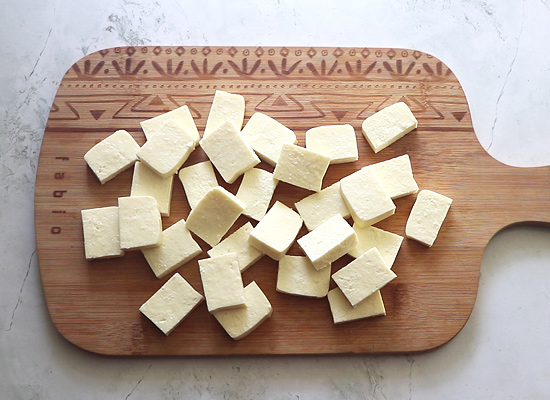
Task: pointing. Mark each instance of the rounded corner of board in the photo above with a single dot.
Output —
(73, 340)
(446, 339)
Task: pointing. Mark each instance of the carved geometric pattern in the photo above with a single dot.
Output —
(189, 63)
(340, 85)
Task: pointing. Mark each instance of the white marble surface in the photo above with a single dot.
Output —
(499, 52)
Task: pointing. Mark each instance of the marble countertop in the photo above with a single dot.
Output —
(498, 51)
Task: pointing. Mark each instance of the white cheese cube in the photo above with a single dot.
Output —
(238, 243)
(328, 242)
(276, 232)
(427, 216)
(229, 152)
(301, 167)
(387, 243)
(225, 107)
(197, 180)
(222, 282)
(112, 155)
(388, 125)
(139, 222)
(101, 233)
(146, 182)
(215, 213)
(168, 149)
(363, 276)
(181, 115)
(336, 141)
(343, 311)
(256, 191)
(169, 306)
(298, 276)
(239, 322)
(365, 197)
(267, 136)
(318, 207)
(177, 248)
(396, 176)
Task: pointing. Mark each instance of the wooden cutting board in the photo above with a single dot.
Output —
(94, 304)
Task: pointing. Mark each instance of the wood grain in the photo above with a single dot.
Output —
(95, 304)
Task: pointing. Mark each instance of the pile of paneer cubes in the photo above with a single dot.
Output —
(366, 196)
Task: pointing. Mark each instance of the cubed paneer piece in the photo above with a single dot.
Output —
(363, 276)
(169, 306)
(229, 152)
(197, 179)
(328, 242)
(222, 282)
(112, 155)
(239, 322)
(365, 197)
(343, 311)
(101, 233)
(146, 182)
(181, 115)
(177, 248)
(267, 136)
(256, 191)
(238, 243)
(297, 275)
(276, 232)
(139, 222)
(215, 213)
(387, 243)
(318, 207)
(301, 167)
(426, 217)
(168, 149)
(225, 107)
(396, 176)
(388, 125)
(336, 141)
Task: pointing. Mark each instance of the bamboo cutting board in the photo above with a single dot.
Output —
(94, 304)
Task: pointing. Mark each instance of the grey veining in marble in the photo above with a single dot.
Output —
(497, 49)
